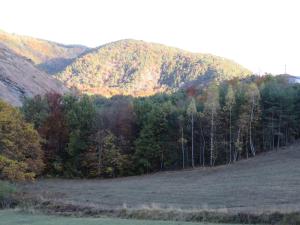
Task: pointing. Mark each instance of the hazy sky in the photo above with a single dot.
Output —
(262, 35)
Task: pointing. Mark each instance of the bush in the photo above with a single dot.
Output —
(7, 191)
(14, 171)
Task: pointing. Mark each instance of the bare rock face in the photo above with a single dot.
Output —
(19, 78)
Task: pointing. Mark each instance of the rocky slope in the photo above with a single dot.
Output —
(20, 78)
(139, 68)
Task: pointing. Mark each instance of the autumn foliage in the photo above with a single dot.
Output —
(94, 136)
(21, 156)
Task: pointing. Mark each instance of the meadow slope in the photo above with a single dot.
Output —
(267, 183)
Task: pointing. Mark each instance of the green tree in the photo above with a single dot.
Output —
(155, 145)
(105, 158)
(80, 116)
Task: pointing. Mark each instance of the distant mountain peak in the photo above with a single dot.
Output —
(50, 57)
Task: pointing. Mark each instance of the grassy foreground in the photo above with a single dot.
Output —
(268, 183)
(6, 192)
(10, 217)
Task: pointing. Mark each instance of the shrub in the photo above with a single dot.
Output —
(6, 194)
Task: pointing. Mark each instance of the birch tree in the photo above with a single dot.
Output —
(191, 111)
(211, 107)
(253, 96)
(229, 103)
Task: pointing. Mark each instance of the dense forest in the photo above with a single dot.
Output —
(93, 136)
(138, 68)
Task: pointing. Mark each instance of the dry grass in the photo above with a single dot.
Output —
(266, 184)
(10, 217)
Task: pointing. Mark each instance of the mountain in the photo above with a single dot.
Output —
(138, 68)
(20, 78)
(126, 67)
(49, 56)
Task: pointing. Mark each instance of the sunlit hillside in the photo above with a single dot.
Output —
(139, 68)
(49, 56)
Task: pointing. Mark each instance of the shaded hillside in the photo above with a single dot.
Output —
(139, 68)
(48, 56)
(19, 78)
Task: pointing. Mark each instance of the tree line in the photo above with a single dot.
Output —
(93, 136)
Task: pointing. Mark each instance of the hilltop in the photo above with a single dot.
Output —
(20, 78)
(138, 68)
(48, 56)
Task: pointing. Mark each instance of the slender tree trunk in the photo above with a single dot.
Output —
(247, 150)
(162, 160)
(286, 136)
(193, 163)
(187, 157)
(182, 148)
(99, 151)
(212, 138)
(230, 137)
(273, 139)
(263, 137)
(99, 159)
(238, 145)
(250, 130)
(203, 148)
(279, 131)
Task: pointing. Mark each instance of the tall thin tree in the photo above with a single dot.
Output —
(211, 107)
(191, 111)
(230, 101)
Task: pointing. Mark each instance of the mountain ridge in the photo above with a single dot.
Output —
(124, 67)
(48, 56)
(139, 68)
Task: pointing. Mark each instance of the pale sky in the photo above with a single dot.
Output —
(262, 35)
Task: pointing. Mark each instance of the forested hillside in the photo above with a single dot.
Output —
(49, 56)
(138, 68)
(94, 136)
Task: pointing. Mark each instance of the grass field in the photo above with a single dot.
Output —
(17, 218)
(269, 182)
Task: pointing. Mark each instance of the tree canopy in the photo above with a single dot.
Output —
(94, 136)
